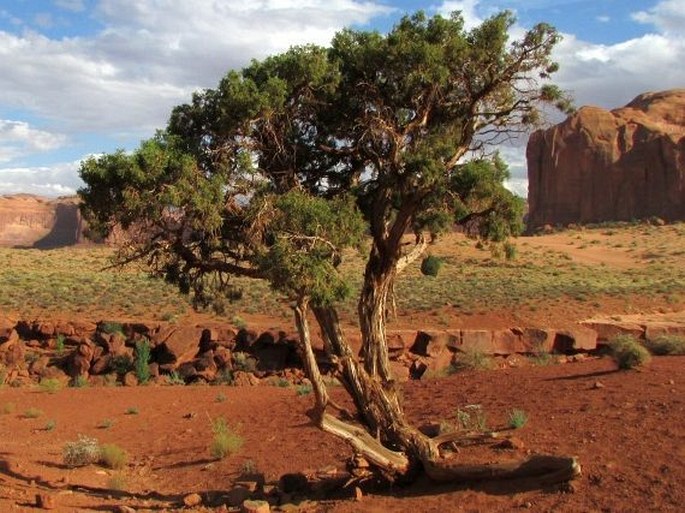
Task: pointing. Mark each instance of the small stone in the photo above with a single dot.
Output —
(598, 384)
(509, 444)
(125, 509)
(358, 494)
(45, 501)
(191, 500)
(671, 382)
(256, 507)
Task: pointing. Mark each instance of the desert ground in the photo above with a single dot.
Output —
(625, 427)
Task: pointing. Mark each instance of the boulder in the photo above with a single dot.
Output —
(431, 343)
(176, 344)
(601, 165)
(574, 340)
(606, 329)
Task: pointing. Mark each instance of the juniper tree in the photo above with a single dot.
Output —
(295, 158)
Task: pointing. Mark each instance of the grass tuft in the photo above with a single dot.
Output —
(627, 352)
(225, 441)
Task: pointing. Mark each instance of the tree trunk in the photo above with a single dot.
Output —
(399, 449)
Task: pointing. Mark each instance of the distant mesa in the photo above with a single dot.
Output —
(28, 221)
(619, 165)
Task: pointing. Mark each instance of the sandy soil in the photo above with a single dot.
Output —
(626, 427)
(628, 434)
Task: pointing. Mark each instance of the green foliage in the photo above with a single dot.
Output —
(33, 413)
(50, 425)
(517, 419)
(304, 389)
(121, 364)
(243, 362)
(430, 265)
(141, 366)
(50, 385)
(83, 451)
(112, 456)
(79, 382)
(132, 410)
(471, 418)
(59, 344)
(627, 352)
(106, 424)
(666, 345)
(472, 360)
(225, 441)
(112, 327)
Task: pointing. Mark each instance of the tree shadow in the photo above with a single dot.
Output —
(583, 376)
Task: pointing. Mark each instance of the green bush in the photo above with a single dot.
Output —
(430, 266)
(112, 456)
(50, 385)
(666, 345)
(142, 358)
(627, 352)
(517, 419)
(225, 440)
(472, 359)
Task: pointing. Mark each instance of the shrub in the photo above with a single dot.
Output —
(121, 364)
(83, 451)
(33, 413)
(627, 352)
(132, 410)
(244, 362)
(304, 389)
(471, 418)
(239, 322)
(510, 251)
(430, 266)
(106, 424)
(117, 482)
(79, 382)
(174, 378)
(50, 385)
(225, 440)
(224, 377)
(50, 425)
(112, 327)
(59, 343)
(472, 359)
(666, 345)
(517, 419)
(112, 456)
(142, 358)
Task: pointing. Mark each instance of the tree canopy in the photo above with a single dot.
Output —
(299, 156)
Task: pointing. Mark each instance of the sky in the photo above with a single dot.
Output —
(83, 77)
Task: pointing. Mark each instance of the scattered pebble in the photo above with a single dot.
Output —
(191, 500)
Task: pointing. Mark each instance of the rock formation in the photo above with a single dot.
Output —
(30, 221)
(599, 165)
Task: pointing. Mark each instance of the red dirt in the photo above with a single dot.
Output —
(629, 436)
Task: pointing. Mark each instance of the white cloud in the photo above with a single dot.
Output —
(668, 16)
(468, 11)
(603, 19)
(152, 54)
(57, 180)
(17, 138)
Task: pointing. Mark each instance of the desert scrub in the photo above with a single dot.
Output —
(142, 359)
(517, 419)
(471, 418)
(666, 345)
(50, 425)
(33, 413)
(79, 382)
(627, 352)
(50, 385)
(112, 456)
(471, 359)
(7, 408)
(225, 441)
(430, 266)
(244, 362)
(83, 451)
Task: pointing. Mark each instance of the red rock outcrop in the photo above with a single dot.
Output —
(31, 221)
(599, 165)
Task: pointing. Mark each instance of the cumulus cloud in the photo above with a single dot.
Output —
(18, 138)
(152, 54)
(667, 16)
(56, 180)
(468, 10)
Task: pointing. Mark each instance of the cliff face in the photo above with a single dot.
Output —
(30, 221)
(600, 165)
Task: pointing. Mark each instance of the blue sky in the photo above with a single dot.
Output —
(81, 77)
